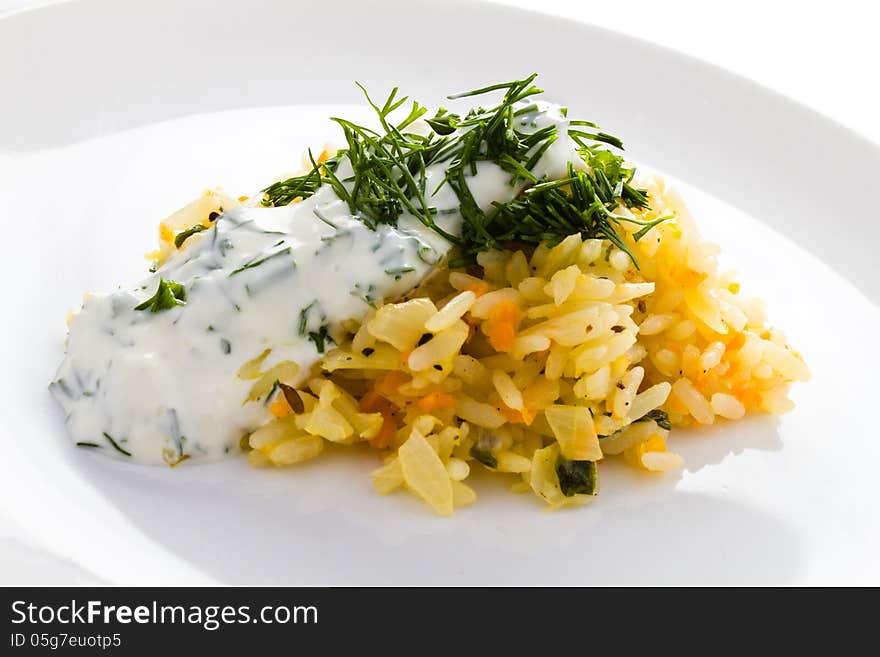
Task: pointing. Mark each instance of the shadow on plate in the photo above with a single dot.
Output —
(321, 523)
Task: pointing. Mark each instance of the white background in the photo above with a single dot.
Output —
(823, 54)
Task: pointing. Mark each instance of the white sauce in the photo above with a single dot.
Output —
(166, 383)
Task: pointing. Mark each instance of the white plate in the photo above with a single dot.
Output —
(114, 113)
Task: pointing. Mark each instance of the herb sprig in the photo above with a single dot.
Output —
(381, 173)
(168, 295)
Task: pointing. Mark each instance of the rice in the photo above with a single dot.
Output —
(536, 362)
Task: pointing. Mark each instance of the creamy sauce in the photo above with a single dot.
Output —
(158, 386)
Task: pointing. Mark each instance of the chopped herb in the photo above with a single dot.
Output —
(577, 477)
(182, 236)
(304, 317)
(85, 444)
(116, 445)
(484, 456)
(319, 338)
(225, 346)
(388, 173)
(260, 261)
(271, 393)
(398, 272)
(366, 296)
(291, 395)
(659, 416)
(168, 294)
(244, 443)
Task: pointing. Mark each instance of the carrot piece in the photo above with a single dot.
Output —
(503, 322)
(478, 288)
(390, 382)
(372, 402)
(525, 416)
(279, 408)
(386, 433)
(506, 311)
(737, 342)
(435, 400)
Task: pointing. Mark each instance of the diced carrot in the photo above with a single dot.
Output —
(747, 395)
(372, 402)
(503, 322)
(501, 336)
(390, 382)
(633, 455)
(279, 408)
(479, 288)
(525, 416)
(435, 400)
(736, 342)
(506, 311)
(324, 156)
(386, 433)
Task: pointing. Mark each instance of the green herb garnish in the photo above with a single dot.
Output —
(182, 236)
(388, 173)
(659, 416)
(116, 445)
(577, 477)
(304, 317)
(484, 456)
(168, 295)
(320, 337)
(398, 272)
(259, 261)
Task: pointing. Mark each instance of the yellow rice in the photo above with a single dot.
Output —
(599, 345)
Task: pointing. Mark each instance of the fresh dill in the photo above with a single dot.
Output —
(259, 261)
(320, 337)
(116, 445)
(381, 173)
